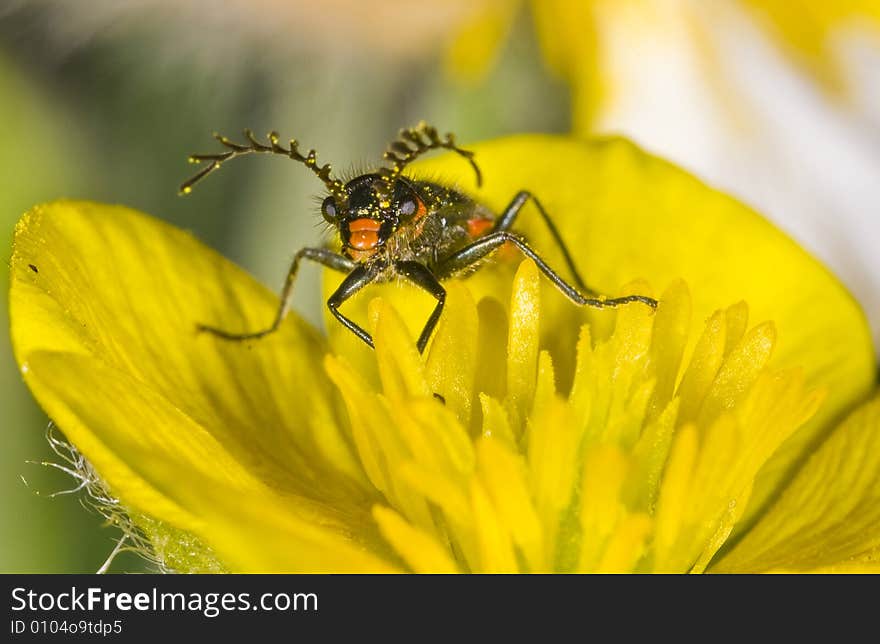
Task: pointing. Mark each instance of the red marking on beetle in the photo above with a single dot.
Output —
(360, 255)
(364, 240)
(421, 209)
(476, 227)
(419, 217)
(364, 233)
(365, 224)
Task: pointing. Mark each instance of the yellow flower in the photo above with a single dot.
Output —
(581, 41)
(570, 440)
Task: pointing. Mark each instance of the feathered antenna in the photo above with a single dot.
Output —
(415, 141)
(336, 187)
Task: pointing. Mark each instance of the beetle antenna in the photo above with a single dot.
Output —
(413, 142)
(335, 186)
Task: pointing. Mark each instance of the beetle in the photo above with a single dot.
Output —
(392, 226)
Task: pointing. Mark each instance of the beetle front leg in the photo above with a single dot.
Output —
(354, 282)
(422, 277)
(319, 255)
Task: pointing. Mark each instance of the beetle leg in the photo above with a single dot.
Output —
(354, 281)
(507, 218)
(321, 256)
(481, 248)
(422, 277)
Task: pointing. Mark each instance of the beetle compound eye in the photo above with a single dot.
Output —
(328, 209)
(407, 207)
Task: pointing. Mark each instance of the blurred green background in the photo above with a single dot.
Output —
(110, 112)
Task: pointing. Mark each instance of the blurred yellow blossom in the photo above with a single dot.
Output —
(580, 40)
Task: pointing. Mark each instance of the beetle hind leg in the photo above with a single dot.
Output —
(465, 258)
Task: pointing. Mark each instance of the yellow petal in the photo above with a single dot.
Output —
(447, 494)
(457, 334)
(491, 376)
(830, 514)
(583, 395)
(522, 342)
(503, 474)
(495, 422)
(669, 337)
(650, 453)
(701, 372)
(626, 545)
(420, 550)
(739, 371)
(626, 214)
(672, 503)
(75, 391)
(848, 568)
(128, 291)
(545, 384)
(400, 365)
(380, 445)
(264, 537)
(736, 319)
(104, 303)
(161, 463)
(496, 548)
(552, 457)
(370, 424)
(605, 470)
(435, 438)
